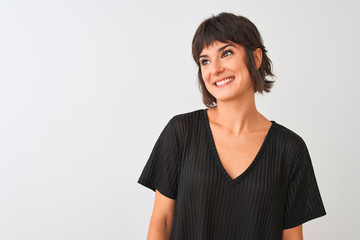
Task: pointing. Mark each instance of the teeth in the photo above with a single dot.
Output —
(224, 81)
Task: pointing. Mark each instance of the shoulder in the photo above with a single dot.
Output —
(288, 139)
(186, 125)
(187, 119)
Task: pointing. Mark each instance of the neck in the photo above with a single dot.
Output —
(237, 117)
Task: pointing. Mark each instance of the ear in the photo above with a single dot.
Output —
(257, 57)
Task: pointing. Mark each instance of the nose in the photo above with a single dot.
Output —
(217, 67)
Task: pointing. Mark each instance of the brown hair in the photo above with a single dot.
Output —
(227, 27)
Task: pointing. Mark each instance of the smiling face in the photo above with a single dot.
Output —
(224, 71)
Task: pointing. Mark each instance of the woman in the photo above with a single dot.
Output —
(227, 172)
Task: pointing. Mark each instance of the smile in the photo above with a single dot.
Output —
(222, 82)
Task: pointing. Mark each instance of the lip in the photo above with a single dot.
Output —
(223, 79)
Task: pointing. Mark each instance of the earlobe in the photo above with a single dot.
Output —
(258, 57)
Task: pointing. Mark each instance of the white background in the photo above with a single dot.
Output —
(87, 86)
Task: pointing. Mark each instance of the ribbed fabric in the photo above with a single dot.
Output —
(277, 191)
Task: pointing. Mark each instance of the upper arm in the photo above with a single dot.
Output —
(163, 211)
(294, 233)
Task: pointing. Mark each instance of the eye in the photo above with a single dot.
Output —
(204, 62)
(227, 53)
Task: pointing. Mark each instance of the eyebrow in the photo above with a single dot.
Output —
(219, 50)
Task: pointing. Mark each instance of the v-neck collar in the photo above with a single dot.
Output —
(216, 155)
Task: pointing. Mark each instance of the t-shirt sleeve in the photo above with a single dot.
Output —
(303, 200)
(161, 171)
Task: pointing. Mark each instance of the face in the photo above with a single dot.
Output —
(224, 71)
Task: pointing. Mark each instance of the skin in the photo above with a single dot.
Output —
(161, 218)
(238, 128)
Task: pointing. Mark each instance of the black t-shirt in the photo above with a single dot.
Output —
(277, 191)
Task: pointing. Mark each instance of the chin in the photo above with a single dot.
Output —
(225, 98)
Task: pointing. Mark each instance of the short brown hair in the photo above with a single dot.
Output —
(227, 27)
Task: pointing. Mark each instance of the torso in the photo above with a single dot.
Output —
(236, 153)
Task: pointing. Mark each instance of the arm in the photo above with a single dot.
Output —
(162, 217)
(294, 233)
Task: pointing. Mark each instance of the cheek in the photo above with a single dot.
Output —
(205, 76)
(237, 65)
(241, 70)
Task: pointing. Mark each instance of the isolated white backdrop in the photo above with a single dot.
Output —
(87, 86)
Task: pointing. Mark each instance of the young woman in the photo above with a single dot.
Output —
(227, 172)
